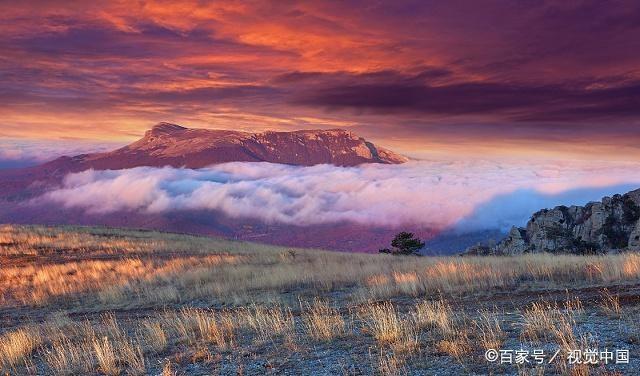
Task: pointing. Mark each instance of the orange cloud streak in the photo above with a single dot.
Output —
(402, 74)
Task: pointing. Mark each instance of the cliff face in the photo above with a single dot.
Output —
(612, 224)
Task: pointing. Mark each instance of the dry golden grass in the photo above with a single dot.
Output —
(252, 296)
(167, 370)
(544, 321)
(549, 322)
(131, 269)
(34, 240)
(269, 322)
(65, 357)
(391, 365)
(36, 284)
(490, 333)
(16, 347)
(193, 326)
(154, 336)
(323, 322)
(106, 356)
(456, 346)
(114, 348)
(75, 348)
(389, 328)
(434, 314)
(451, 329)
(541, 320)
(610, 304)
(217, 330)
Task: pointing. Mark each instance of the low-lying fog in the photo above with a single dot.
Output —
(462, 195)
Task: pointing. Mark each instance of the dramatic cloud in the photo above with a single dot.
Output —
(503, 75)
(457, 194)
(518, 103)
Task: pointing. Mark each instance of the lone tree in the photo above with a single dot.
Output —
(405, 243)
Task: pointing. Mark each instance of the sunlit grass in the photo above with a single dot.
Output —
(192, 299)
(168, 268)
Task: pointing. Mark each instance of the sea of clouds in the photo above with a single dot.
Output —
(21, 153)
(461, 195)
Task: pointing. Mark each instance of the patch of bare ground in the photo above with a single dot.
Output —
(112, 302)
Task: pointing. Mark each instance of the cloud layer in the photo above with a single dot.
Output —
(438, 195)
(501, 72)
(22, 153)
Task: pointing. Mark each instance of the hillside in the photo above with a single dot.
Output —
(104, 301)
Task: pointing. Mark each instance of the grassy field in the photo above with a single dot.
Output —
(106, 301)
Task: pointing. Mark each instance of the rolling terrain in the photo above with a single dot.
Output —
(81, 300)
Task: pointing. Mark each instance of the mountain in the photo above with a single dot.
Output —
(173, 145)
(169, 144)
(611, 224)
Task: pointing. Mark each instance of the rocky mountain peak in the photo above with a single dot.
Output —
(164, 128)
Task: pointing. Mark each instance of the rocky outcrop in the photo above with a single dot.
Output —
(612, 224)
(515, 243)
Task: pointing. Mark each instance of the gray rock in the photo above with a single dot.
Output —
(612, 224)
(515, 243)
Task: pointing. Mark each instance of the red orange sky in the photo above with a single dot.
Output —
(501, 77)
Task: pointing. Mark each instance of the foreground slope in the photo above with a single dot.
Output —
(98, 301)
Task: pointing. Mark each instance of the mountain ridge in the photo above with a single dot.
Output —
(168, 144)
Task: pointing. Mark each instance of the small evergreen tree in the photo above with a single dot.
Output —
(405, 243)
